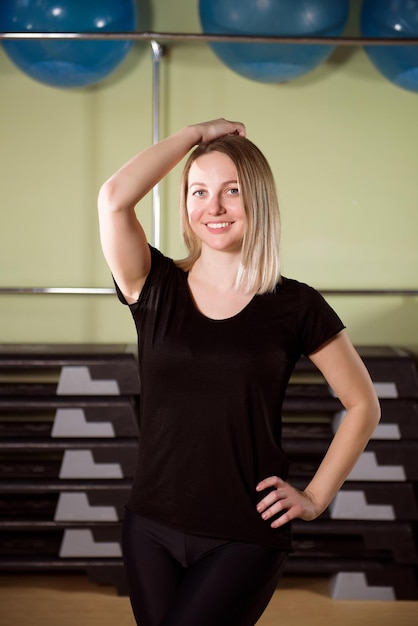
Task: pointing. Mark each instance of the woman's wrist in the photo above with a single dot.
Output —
(194, 134)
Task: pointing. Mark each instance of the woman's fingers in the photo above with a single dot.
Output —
(276, 500)
(219, 128)
(222, 127)
(283, 500)
(270, 481)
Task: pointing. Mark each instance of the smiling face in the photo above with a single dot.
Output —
(214, 207)
(248, 220)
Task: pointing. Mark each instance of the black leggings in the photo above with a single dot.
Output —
(178, 579)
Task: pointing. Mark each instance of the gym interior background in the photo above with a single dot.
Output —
(341, 142)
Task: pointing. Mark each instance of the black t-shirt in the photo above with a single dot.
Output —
(211, 399)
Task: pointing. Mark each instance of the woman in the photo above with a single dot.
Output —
(206, 532)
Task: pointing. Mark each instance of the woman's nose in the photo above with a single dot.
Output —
(215, 206)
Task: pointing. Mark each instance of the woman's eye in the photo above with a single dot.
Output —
(199, 193)
(233, 191)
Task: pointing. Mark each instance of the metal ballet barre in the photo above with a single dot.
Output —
(104, 291)
(205, 37)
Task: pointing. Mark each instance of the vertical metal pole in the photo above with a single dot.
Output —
(157, 53)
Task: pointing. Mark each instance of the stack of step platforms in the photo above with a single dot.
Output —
(366, 541)
(68, 448)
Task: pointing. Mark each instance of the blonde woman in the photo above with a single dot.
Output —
(208, 523)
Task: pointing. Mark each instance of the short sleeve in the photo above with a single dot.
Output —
(119, 294)
(157, 259)
(317, 320)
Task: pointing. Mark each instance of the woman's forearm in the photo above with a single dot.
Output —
(126, 187)
(140, 174)
(345, 449)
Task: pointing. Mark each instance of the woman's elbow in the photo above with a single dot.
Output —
(107, 200)
(373, 410)
(104, 197)
(376, 410)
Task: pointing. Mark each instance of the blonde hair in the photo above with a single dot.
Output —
(260, 263)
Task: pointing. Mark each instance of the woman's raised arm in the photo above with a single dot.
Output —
(123, 239)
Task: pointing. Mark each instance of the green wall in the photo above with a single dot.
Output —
(342, 143)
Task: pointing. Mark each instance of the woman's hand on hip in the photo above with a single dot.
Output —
(285, 500)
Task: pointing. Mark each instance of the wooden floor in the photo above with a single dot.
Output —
(71, 600)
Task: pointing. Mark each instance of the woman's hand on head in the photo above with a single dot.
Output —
(285, 500)
(213, 129)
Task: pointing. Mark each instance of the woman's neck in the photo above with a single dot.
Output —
(217, 269)
(212, 288)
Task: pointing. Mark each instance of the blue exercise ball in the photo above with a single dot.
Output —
(272, 62)
(67, 63)
(395, 19)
